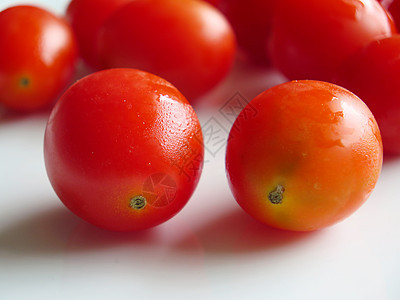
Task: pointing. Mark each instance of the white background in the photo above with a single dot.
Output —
(210, 250)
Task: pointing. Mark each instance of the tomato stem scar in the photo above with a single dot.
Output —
(138, 202)
(276, 196)
(24, 82)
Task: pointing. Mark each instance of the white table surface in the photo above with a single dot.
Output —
(210, 250)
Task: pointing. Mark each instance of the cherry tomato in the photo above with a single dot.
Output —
(37, 57)
(187, 42)
(123, 149)
(214, 2)
(303, 155)
(311, 39)
(86, 17)
(393, 7)
(374, 75)
(385, 3)
(252, 23)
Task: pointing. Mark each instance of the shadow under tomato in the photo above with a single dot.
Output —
(38, 234)
(235, 232)
(10, 116)
(390, 158)
(57, 231)
(88, 238)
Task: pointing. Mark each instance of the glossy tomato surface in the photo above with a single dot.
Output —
(308, 158)
(394, 9)
(252, 22)
(187, 42)
(311, 39)
(86, 17)
(37, 57)
(123, 149)
(374, 75)
(214, 2)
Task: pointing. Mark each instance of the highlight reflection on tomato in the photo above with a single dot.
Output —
(309, 157)
(123, 149)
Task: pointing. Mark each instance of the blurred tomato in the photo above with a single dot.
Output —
(123, 149)
(187, 42)
(252, 22)
(37, 57)
(308, 156)
(311, 39)
(385, 3)
(214, 2)
(86, 17)
(374, 75)
(393, 6)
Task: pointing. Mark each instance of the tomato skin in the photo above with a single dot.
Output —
(252, 22)
(86, 18)
(374, 75)
(394, 9)
(109, 134)
(386, 3)
(37, 57)
(311, 39)
(215, 3)
(315, 144)
(189, 43)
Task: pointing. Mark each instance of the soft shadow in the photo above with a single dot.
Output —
(88, 238)
(57, 231)
(10, 116)
(41, 233)
(236, 232)
(389, 158)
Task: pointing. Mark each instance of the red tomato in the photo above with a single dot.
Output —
(189, 43)
(86, 18)
(374, 75)
(123, 149)
(214, 2)
(311, 39)
(394, 9)
(308, 156)
(37, 57)
(252, 23)
(385, 3)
